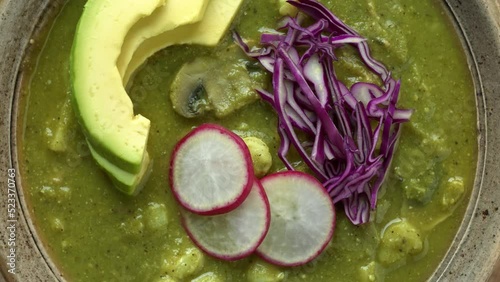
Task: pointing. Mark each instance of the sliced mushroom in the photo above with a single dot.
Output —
(224, 85)
(187, 92)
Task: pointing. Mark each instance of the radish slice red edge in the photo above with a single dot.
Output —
(233, 235)
(302, 219)
(211, 170)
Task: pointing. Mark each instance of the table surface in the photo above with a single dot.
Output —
(495, 277)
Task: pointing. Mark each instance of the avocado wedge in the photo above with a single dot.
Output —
(218, 17)
(173, 14)
(102, 106)
(108, 33)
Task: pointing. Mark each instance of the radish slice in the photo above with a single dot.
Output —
(233, 235)
(211, 170)
(302, 219)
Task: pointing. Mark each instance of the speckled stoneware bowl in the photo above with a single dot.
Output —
(472, 255)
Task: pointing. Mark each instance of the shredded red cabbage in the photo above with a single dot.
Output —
(353, 131)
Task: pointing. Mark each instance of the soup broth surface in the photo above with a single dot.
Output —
(95, 233)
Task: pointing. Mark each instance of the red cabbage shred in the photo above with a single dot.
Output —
(352, 132)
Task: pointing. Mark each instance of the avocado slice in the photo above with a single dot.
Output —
(116, 136)
(128, 183)
(102, 106)
(187, 91)
(217, 19)
(167, 17)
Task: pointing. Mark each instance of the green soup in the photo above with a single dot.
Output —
(95, 233)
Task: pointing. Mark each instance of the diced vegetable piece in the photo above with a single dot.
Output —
(156, 216)
(453, 191)
(399, 240)
(264, 272)
(207, 277)
(133, 226)
(261, 157)
(55, 195)
(233, 235)
(211, 170)
(302, 219)
(187, 263)
(370, 273)
(57, 224)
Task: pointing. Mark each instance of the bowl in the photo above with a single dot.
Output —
(475, 249)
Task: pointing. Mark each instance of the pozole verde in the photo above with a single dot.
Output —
(95, 233)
